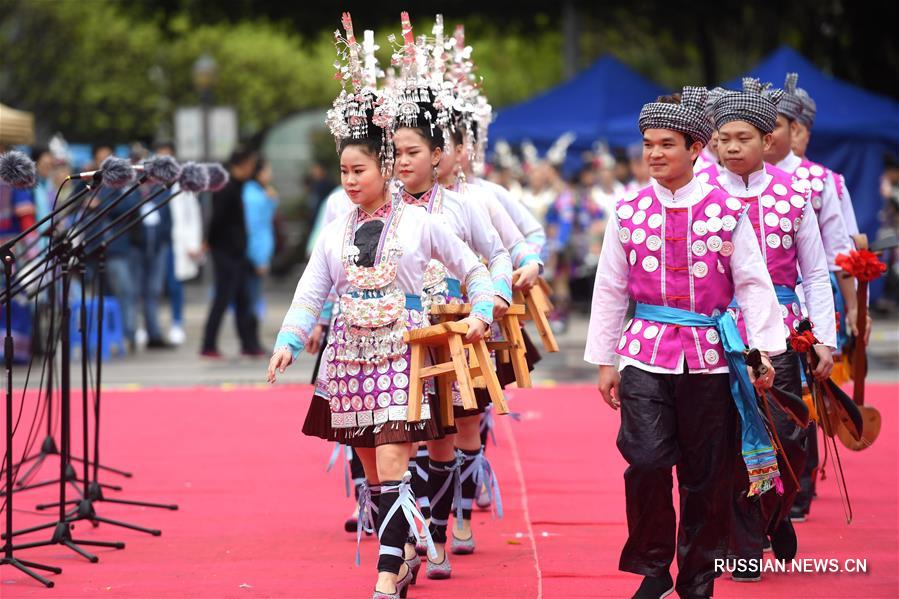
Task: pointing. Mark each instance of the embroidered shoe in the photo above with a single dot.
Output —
(463, 546)
(440, 571)
(421, 547)
(402, 588)
(414, 564)
(483, 498)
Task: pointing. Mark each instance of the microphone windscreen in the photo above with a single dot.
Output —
(218, 176)
(163, 169)
(194, 177)
(17, 169)
(117, 172)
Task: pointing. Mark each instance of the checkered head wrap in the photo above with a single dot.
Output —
(688, 117)
(790, 105)
(809, 108)
(714, 95)
(750, 105)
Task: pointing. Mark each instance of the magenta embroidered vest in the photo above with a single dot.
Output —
(815, 175)
(678, 257)
(709, 173)
(776, 215)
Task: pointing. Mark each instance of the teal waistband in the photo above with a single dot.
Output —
(454, 288)
(413, 302)
(785, 295)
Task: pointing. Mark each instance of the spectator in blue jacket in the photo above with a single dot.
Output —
(260, 201)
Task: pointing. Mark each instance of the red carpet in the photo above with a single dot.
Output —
(260, 518)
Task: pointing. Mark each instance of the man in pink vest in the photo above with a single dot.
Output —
(835, 234)
(787, 232)
(801, 136)
(682, 249)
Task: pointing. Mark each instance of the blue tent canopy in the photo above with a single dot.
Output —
(584, 105)
(853, 129)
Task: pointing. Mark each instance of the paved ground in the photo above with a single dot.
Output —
(184, 367)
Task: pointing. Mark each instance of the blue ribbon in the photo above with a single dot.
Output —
(785, 295)
(758, 453)
(454, 288)
(348, 454)
(840, 307)
(413, 302)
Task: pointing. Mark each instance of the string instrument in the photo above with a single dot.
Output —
(836, 411)
(869, 414)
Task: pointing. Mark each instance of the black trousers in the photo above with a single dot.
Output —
(685, 421)
(231, 285)
(754, 517)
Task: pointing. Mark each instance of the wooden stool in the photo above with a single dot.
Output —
(447, 339)
(511, 349)
(537, 305)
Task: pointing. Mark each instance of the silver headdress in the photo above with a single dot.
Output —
(557, 152)
(470, 110)
(414, 92)
(360, 111)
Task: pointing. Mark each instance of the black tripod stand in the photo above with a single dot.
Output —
(93, 493)
(48, 446)
(62, 527)
(8, 557)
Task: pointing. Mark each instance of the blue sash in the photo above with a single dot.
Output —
(785, 295)
(840, 307)
(758, 452)
(413, 302)
(454, 288)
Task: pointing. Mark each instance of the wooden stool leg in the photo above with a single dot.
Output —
(546, 334)
(417, 362)
(489, 375)
(463, 377)
(512, 331)
(444, 384)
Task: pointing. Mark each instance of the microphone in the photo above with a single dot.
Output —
(113, 172)
(194, 177)
(17, 170)
(218, 176)
(162, 169)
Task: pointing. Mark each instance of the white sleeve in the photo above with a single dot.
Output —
(462, 264)
(816, 278)
(522, 217)
(308, 299)
(486, 242)
(754, 292)
(847, 209)
(502, 222)
(610, 301)
(833, 227)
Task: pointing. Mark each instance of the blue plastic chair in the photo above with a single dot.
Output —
(113, 329)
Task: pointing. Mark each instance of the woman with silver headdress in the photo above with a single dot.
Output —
(374, 257)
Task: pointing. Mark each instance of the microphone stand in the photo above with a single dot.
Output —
(9, 558)
(93, 489)
(48, 446)
(62, 534)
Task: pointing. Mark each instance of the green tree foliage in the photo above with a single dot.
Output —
(263, 70)
(86, 75)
